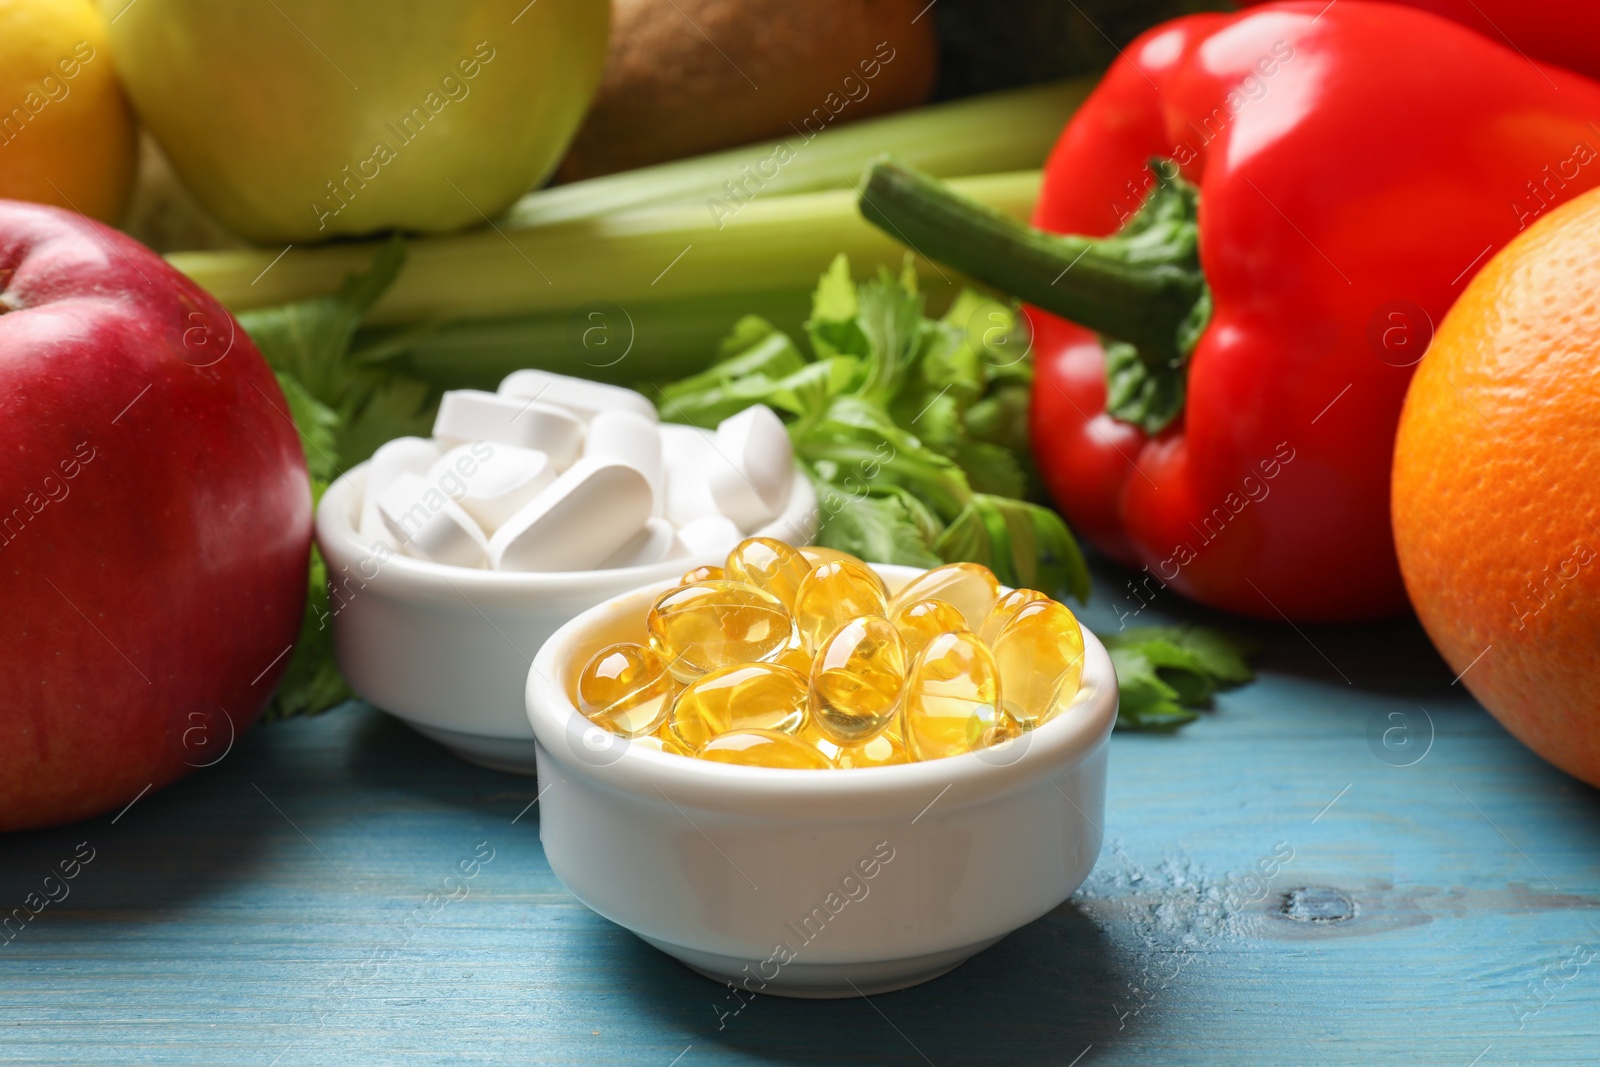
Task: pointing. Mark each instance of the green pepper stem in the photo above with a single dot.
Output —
(1141, 286)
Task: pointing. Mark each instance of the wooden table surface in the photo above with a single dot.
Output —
(1435, 899)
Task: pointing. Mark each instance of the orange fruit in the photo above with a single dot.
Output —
(67, 135)
(1496, 492)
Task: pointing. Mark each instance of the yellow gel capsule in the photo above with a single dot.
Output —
(819, 740)
(884, 750)
(708, 573)
(1004, 729)
(881, 751)
(626, 688)
(970, 588)
(856, 679)
(765, 748)
(816, 555)
(833, 594)
(1003, 611)
(750, 696)
(922, 620)
(952, 697)
(709, 625)
(1039, 657)
(769, 565)
(657, 743)
(794, 655)
(667, 739)
(892, 731)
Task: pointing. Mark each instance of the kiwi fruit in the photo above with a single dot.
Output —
(689, 76)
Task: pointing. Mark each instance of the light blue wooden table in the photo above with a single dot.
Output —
(1435, 900)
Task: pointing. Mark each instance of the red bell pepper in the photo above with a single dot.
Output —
(1557, 31)
(1338, 171)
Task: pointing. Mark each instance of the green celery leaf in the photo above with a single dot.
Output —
(927, 523)
(891, 320)
(710, 405)
(947, 379)
(749, 332)
(832, 326)
(1145, 701)
(969, 537)
(1225, 658)
(1057, 560)
(1163, 668)
(863, 441)
(838, 339)
(946, 362)
(1222, 657)
(943, 380)
(875, 527)
(318, 425)
(835, 297)
(1181, 669)
(755, 347)
(311, 681)
(995, 332)
(808, 391)
(969, 302)
(908, 273)
(1023, 543)
(991, 468)
(398, 407)
(802, 393)
(1001, 418)
(958, 358)
(935, 419)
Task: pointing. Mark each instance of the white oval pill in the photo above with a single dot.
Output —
(687, 455)
(431, 526)
(583, 398)
(492, 482)
(467, 415)
(403, 455)
(714, 535)
(656, 542)
(628, 437)
(579, 522)
(752, 482)
(372, 529)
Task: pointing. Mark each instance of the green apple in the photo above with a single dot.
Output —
(300, 120)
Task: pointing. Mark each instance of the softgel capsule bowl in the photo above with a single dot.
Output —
(814, 883)
(446, 649)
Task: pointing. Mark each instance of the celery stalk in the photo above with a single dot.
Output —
(671, 253)
(988, 134)
(652, 341)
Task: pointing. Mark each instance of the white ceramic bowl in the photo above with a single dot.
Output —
(447, 649)
(815, 883)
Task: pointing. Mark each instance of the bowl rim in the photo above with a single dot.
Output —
(339, 541)
(1053, 749)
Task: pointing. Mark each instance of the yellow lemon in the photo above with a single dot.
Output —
(67, 135)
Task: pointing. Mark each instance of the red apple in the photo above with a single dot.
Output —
(155, 521)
